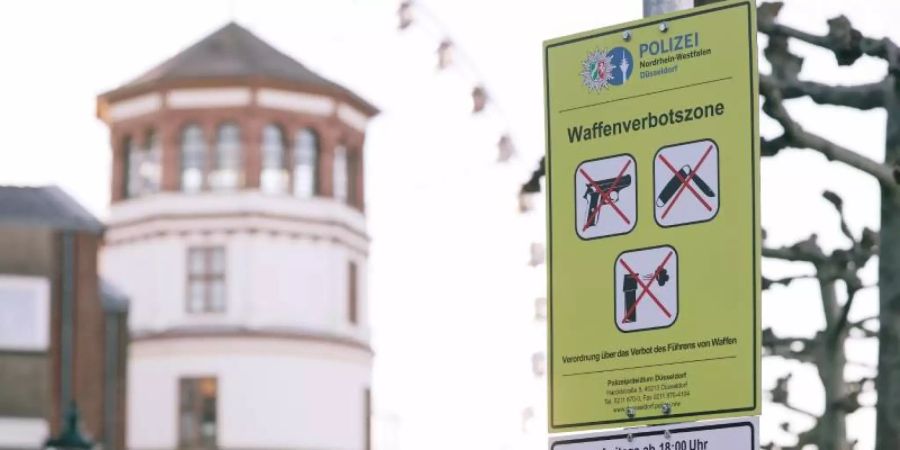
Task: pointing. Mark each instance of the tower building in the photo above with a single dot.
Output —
(237, 228)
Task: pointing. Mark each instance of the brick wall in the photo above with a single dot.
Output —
(30, 381)
(251, 119)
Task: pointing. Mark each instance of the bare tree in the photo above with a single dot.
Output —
(848, 45)
(827, 349)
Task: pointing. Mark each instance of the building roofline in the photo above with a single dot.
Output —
(231, 52)
(119, 94)
(288, 333)
(113, 299)
(47, 206)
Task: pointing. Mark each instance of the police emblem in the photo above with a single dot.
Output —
(602, 68)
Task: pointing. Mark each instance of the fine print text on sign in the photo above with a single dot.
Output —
(653, 221)
(713, 435)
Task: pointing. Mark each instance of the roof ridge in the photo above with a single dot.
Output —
(45, 206)
(233, 51)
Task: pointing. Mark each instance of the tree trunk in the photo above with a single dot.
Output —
(832, 432)
(888, 382)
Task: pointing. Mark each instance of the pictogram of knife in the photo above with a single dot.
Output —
(675, 182)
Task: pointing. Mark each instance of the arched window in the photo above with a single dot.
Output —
(306, 163)
(131, 162)
(143, 170)
(274, 176)
(193, 157)
(227, 172)
(354, 165)
(151, 167)
(339, 173)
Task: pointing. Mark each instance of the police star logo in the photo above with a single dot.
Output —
(597, 70)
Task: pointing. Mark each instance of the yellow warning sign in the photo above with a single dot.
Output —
(653, 219)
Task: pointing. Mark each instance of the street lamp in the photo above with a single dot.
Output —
(70, 437)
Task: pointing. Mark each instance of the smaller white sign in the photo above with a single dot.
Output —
(686, 183)
(646, 282)
(740, 434)
(605, 197)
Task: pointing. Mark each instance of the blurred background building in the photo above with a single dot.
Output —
(237, 228)
(63, 334)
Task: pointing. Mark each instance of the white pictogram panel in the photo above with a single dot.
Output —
(646, 284)
(686, 183)
(605, 197)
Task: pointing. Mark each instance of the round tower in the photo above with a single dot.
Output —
(237, 228)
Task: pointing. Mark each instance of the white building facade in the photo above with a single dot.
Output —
(237, 229)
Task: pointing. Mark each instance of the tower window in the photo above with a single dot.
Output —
(227, 173)
(151, 169)
(197, 417)
(340, 177)
(274, 177)
(143, 169)
(306, 163)
(354, 167)
(352, 294)
(193, 158)
(130, 159)
(206, 280)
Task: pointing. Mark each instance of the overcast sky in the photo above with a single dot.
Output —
(452, 294)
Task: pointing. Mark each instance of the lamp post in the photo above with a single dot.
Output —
(70, 437)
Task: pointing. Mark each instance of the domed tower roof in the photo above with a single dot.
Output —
(234, 53)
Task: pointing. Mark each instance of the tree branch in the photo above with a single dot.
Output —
(784, 84)
(866, 333)
(847, 43)
(865, 319)
(863, 96)
(795, 348)
(780, 395)
(773, 146)
(800, 410)
(804, 251)
(767, 283)
(838, 204)
(533, 185)
(795, 136)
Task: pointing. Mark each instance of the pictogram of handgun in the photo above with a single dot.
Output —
(595, 199)
(607, 187)
(675, 182)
